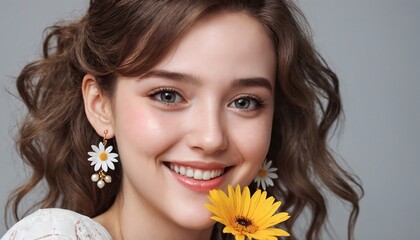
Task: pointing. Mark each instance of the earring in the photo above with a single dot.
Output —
(265, 175)
(102, 159)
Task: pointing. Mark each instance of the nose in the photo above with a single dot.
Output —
(208, 131)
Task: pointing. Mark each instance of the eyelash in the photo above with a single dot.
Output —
(259, 103)
(154, 94)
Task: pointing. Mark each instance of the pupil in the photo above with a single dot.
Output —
(168, 97)
(242, 103)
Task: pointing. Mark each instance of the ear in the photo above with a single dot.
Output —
(97, 107)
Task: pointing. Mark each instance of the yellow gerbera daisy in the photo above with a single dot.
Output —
(248, 216)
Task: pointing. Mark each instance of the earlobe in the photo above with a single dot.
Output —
(97, 106)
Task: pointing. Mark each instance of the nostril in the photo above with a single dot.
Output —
(209, 143)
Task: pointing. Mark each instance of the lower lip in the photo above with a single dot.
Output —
(199, 185)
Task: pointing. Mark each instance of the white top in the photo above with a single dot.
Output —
(55, 223)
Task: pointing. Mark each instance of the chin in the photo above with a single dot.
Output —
(197, 220)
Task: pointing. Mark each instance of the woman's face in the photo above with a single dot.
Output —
(201, 119)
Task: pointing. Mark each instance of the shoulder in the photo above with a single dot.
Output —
(55, 223)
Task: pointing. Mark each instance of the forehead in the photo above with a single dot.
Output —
(224, 45)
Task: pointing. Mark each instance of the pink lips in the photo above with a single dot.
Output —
(199, 185)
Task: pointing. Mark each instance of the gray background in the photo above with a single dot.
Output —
(374, 48)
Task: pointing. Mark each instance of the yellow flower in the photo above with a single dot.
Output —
(248, 216)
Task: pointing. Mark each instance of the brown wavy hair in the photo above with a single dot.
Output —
(129, 37)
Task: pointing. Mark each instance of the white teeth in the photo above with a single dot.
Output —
(206, 175)
(182, 171)
(190, 172)
(197, 174)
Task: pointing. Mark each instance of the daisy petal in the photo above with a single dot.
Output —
(272, 175)
(108, 149)
(92, 154)
(111, 165)
(263, 184)
(101, 147)
(269, 182)
(104, 166)
(95, 148)
(97, 166)
(267, 165)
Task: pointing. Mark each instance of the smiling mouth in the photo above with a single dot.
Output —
(195, 173)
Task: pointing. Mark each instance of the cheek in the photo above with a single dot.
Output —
(252, 142)
(255, 137)
(142, 131)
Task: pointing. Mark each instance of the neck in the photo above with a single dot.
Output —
(127, 221)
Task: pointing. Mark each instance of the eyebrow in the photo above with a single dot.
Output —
(191, 79)
(176, 76)
(252, 82)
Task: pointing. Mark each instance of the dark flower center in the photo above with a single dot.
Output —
(244, 225)
(243, 221)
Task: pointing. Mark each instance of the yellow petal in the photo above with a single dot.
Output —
(214, 198)
(231, 192)
(221, 202)
(249, 235)
(254, 203)
(276, 219)
(274, 232)
(263, 237)
(260, 205)
(217, 212)
(231, 200)
(227, 204)
(267, 208)
(238, 199)
(220, 220)
(268, 211)
(246, 201)
(239, 237)
(258, 209)
(212, 209)
(229, 229)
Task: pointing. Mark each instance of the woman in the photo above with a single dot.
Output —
(192, 96)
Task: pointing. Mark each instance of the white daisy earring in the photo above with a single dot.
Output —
(102, 159)
(265, 175)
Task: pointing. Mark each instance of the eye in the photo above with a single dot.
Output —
(166, 96)
(169, 97)
(246, 103)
